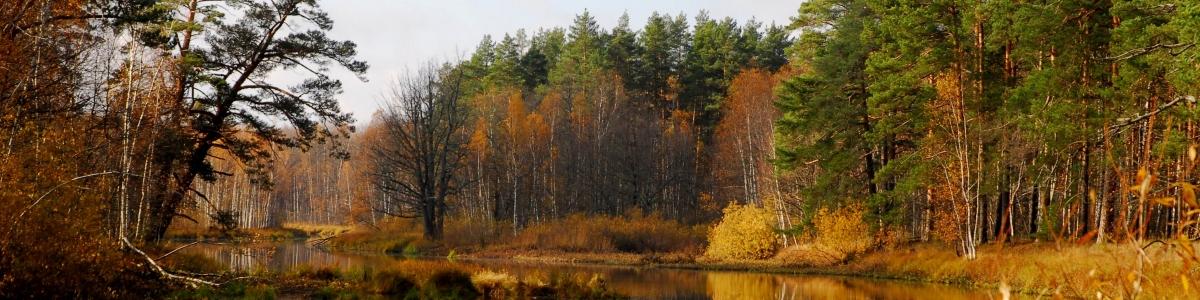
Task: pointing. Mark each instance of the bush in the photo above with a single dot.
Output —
(843, 231)
(74, 265)
(745, 232)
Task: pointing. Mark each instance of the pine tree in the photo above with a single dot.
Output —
(231, 102)
(824, 108)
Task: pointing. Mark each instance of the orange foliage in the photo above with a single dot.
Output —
(744, 137)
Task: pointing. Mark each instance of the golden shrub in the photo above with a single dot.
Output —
(843, 230)
(745, 232)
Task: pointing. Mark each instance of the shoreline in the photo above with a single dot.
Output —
(1026, 268)
(1032, 269)
(759, 267)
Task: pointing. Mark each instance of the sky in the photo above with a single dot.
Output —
(397, 36)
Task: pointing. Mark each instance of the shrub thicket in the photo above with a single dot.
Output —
(745, 232)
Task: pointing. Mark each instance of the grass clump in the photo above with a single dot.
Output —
(745, 232)
(394, 285)
(496, 285)
(450, 284)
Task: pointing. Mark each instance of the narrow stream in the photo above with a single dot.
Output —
(636, 282)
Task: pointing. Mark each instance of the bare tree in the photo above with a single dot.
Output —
(423, 147)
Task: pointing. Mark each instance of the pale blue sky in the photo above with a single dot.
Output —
(399, 35)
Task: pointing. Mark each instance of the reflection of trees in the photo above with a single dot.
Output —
(657, 283)
(731, 286)
(726, 285)
(637, 283)
(277, 257)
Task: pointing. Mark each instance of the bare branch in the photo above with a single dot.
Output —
(154, 264)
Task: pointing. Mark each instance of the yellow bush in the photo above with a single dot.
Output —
(843, 231)
(745, 232)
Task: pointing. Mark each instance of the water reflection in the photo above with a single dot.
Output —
(274, 257)
(636, 282)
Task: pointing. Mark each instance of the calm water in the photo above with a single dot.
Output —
(637, 282)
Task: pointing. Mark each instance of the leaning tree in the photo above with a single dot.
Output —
(227, 102)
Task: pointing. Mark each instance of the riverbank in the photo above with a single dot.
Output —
(636, 282)
(1040, 268)
(1046, 269)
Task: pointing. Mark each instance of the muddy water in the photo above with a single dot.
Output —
(636, 282)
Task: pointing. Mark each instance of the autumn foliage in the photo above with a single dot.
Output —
(843, 231)
(745, 232)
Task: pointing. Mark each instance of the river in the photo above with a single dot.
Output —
(636, 282)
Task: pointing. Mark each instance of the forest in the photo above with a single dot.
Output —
(943, 141)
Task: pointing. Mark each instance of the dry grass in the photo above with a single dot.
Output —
(394, 236)
(809, 255)
(491, 283)
(1078, 271)
(319, 230)
(636, 233)
(465, 234)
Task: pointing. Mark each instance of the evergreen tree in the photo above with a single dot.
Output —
(824, 109)
(582, 56)
(233, 106)
(715, 57)
(623, 52)
(664, 43)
